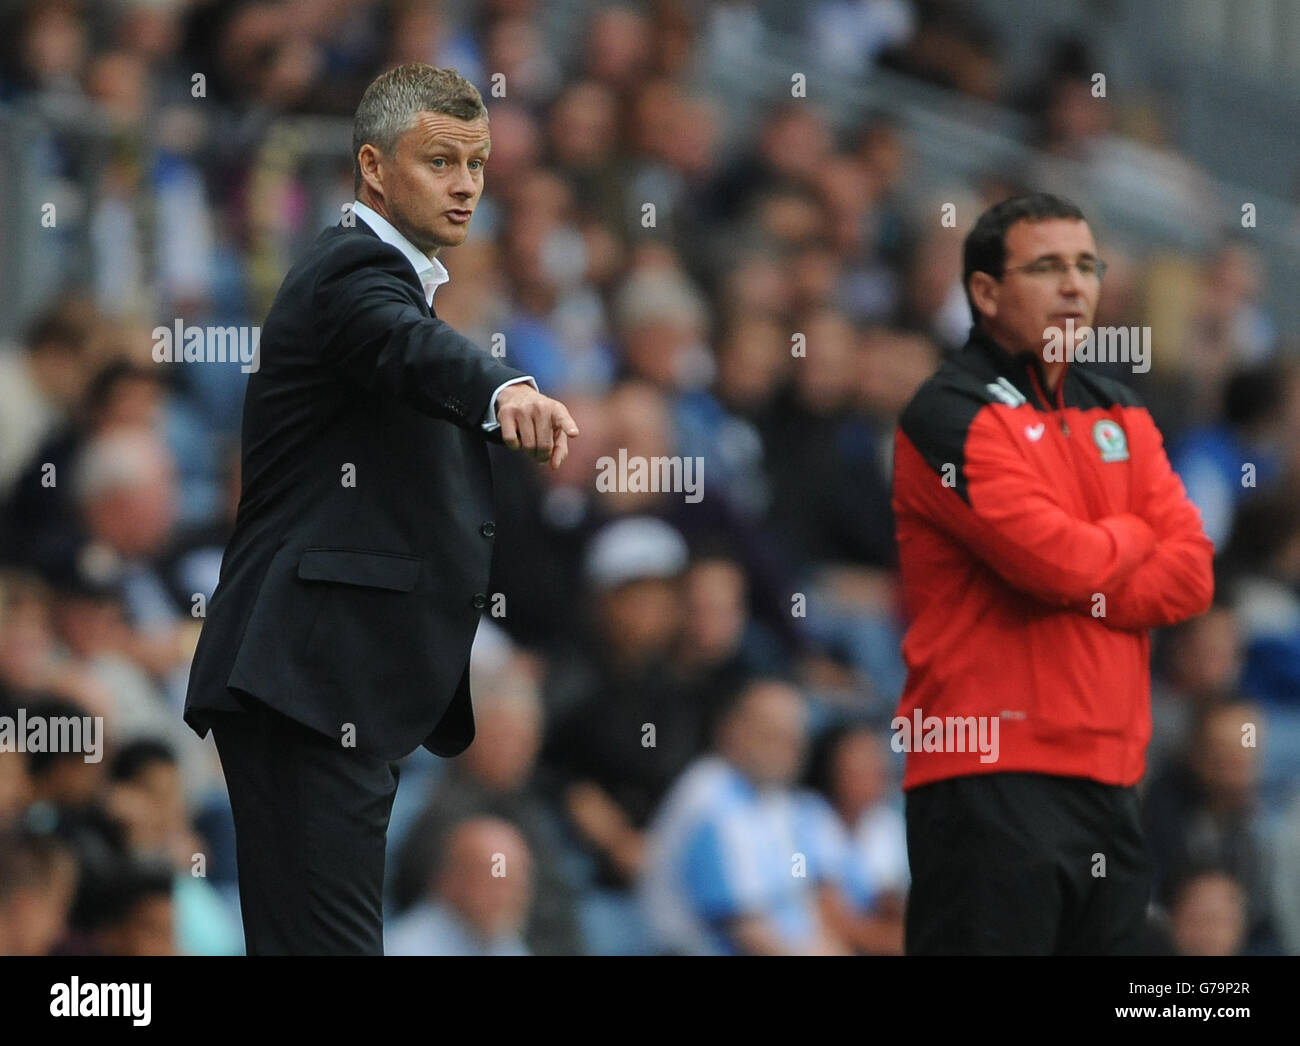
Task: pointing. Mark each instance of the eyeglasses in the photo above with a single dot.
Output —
(1055, 268)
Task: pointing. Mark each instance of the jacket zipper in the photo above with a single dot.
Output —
(1059, 409)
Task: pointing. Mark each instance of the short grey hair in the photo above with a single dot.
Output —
(391, 102)
(655, 295)
(125, 459)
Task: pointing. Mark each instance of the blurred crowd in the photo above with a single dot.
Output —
(683, 707)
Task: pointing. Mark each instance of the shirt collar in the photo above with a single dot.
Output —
(431, 273)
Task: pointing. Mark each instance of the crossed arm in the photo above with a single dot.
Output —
(1153, 564)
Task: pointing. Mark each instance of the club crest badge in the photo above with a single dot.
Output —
(1110, 440)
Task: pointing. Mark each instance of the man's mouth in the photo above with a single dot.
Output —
(460, 217)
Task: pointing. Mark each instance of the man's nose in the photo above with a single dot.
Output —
(465, 185)
(1072, 281)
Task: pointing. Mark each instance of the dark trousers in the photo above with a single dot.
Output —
(1025, 864)
(311, 822)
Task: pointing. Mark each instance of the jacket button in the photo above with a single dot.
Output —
(479, 600)
(488, 529)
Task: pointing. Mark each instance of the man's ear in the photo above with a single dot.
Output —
(984, 292)
(368, 159)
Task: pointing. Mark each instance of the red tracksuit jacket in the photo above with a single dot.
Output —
(1039, 537)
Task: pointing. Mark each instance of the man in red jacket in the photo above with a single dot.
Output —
(1041, 533)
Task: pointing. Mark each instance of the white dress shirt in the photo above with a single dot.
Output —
(432, 275)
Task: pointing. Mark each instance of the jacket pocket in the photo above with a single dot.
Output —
(354, 566)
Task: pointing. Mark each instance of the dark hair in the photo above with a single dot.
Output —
(985, 248)
(1264, 524)
(109, 378)
(714, 544)
(50, 706)
(1254, 394)
(67, 323)
(819, 770)
(730, 692)
(138, 756)
(111, 896)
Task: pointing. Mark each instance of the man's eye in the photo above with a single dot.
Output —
(438, 161)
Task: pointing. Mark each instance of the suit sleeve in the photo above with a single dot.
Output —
(1177, 581)
(374, 333)
(999, 507)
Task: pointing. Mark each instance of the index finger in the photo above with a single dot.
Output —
(563, 420)
(561, 449)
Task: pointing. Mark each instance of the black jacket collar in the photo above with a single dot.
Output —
(1022, 369)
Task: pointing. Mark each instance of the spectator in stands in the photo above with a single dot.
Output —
(124, 909)
(31, 663)
(951, 46)
(42, 384)
(1203, 811)
(478, 899)
(792, 144)
(623, 725)
(583, 139)
(146, 797)
(1233, 328)
(676, 146)
(125, 489)
(494, 778)
(1286, 878)
(38, 877)
(754, 357)
(43, 523)
(837, 489)
(724, 644)
(617, 49)
(662, 321)
(851, 34)
(736, 853)
(95, 639)
(15, 785)
(1200, 664)
(1223, 463)
(849, 766)
(1209, 915)
(67, 788)
(1263, 562)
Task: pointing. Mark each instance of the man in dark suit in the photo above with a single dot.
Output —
(338, 638)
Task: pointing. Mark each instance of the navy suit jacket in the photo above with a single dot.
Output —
(353, 583)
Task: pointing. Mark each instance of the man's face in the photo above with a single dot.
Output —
(1020, 307)
(764, 736)
(432, 182)
(641, 616)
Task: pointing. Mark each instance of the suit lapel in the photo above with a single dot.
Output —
(359, 225)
